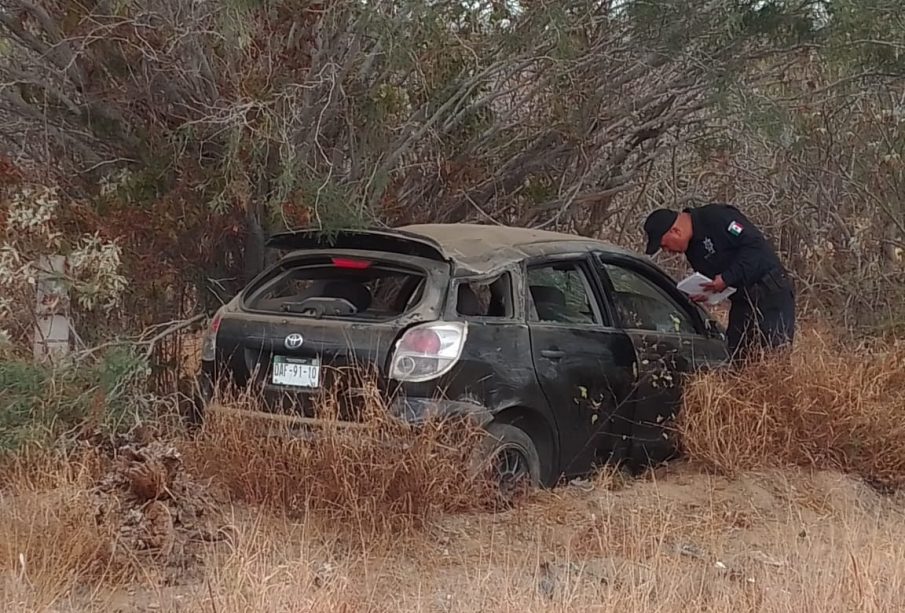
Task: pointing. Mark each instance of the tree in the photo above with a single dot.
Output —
(550, 114)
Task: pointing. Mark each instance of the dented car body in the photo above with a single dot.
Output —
(570, 351)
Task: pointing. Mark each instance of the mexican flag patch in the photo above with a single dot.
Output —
(735, 228)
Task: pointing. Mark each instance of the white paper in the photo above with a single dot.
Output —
(694, 284)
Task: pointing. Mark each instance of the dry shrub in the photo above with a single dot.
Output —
(93, 518)
(375, 473)
(49, 538)
(828, 404)
(36, 467)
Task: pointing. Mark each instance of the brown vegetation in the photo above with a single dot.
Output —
(82, 518)
(243, 516)
(681, 541)
(158, 142)
(831, 405)
(240, 119)
(377, 474)
(49, 538)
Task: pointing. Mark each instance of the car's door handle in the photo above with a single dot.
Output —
(553, 354)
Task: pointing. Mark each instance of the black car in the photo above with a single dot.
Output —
(569, 351)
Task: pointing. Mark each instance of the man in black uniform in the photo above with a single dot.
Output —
(720, 243)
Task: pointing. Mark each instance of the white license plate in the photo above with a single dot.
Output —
(296, 372)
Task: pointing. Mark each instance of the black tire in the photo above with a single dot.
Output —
(511, 455)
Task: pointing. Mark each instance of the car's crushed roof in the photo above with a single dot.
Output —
(473, 248)
(483, 247)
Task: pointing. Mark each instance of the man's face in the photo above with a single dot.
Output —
(675, 240)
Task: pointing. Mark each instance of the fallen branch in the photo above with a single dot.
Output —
(169, 330)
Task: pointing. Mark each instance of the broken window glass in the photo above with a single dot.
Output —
(642, 305)
(485, 297)
(561, 293)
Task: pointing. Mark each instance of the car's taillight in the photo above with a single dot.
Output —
(209, 344)
(425, 342)
(427, 351)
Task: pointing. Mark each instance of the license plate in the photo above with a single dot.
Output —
(296, 372)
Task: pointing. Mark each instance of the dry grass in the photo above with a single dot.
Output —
(777, 541)
(380, 476)
(384, 518)
(35, 467)
(49, 539)
(686, 557)
(827, 405)
(89, 519)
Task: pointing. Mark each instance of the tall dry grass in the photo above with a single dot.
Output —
(650, 547)
(340, 508)
(828, 404)
(377, 474)
(49, 539)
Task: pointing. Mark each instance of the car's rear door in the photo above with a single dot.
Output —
(584, 365)
(671, 341)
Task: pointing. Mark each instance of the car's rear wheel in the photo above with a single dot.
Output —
(508, 457)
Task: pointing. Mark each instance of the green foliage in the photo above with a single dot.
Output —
(335, 205)
(43, 402)
(867, 34)
(146, 184)
(781, 22)
(258, 114)
(765, 117)
(691, 25)
(539, 190)
(119, 373)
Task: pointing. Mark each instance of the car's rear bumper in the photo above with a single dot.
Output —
(411, 410)
(412, 413)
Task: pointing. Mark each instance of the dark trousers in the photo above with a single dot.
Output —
(768, 323)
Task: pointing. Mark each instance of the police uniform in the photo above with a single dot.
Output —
(724, 242)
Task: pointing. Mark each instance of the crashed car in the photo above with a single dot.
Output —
(570, 352)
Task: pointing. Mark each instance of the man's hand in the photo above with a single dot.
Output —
(699, 298)
(715, 286)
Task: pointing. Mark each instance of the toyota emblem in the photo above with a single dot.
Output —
(294, 341)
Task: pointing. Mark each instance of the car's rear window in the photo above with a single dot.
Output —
(352, 289)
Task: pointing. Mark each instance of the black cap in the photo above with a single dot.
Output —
(657, 224)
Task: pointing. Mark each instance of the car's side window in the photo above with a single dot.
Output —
(561, 293)
(485, 298)
(642, 305)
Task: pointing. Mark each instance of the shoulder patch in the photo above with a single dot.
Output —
(735, 228)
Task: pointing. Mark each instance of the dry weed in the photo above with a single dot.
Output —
(788, 559)
(49, 539)
(827, 404)
(86, 518)
(36, 467)
(375, 473)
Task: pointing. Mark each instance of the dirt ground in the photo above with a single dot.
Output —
(680, 540)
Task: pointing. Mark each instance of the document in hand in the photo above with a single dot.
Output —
(694, 284)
